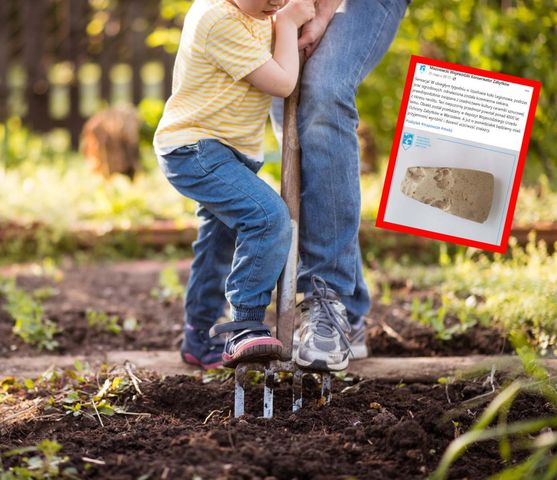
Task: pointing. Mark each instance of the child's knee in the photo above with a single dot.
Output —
(281, 224)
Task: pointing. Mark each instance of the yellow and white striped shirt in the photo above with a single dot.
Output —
(219, 46)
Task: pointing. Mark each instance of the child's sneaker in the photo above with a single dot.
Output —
(200, 350)
(248, 341)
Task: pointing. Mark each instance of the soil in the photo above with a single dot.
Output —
(124, 289)
(373, 430)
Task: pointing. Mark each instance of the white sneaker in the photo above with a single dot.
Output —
(325, 339)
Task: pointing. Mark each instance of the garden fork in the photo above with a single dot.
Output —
(286, 288)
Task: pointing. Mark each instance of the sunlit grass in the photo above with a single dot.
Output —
(73, 197)
(516, 292)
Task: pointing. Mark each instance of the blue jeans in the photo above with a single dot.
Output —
(244, 232)
(238, 254)
(354, 43)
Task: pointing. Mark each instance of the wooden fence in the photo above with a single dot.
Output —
(50, 49)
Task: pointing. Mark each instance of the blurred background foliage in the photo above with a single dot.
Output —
(516, 38)
(513, 37)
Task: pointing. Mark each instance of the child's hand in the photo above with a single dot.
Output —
(297, 12)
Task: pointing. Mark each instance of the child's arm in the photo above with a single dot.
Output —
(278, 76)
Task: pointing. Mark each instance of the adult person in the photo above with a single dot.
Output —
(343, 43)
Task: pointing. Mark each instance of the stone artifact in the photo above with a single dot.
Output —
(459, 191)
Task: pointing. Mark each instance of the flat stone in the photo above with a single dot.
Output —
(462, 192)
(422, 369)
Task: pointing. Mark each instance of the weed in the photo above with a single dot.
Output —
(102, 321)
(535, 435)
(30, 323)
(516, 293)
(169, 287)
(44, 464)
(220, 374)
(386, 295)
(78, 392)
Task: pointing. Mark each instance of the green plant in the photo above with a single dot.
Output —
(426, 314)
(20, 145)
(535, 435)
(516, 292)
(517, 38)
(169, 36)
(220, 374)
(76, 392)
(44, 464)
(169, 286)
(386, 295)
(83, 392)
(30, 323)
(102, 321)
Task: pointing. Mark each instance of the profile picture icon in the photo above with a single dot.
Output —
(407, 140)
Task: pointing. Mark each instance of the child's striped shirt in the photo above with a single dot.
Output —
(210, 99)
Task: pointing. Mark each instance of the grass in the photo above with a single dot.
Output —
(66, 195)
(536, 436)
(73, 197)
(516, 292)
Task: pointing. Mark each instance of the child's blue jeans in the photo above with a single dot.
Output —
(244, 232)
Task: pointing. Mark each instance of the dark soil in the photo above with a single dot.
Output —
(375, 430)
(123, 289)
(391, 333)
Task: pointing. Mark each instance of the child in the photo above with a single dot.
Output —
(209, 146)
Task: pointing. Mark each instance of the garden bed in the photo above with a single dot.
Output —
(124, 292)
(388, 426)
(21, 240)
(371, 430)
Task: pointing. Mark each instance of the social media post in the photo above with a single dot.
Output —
(459, 150)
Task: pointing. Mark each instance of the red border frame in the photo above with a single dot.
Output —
(380, 221)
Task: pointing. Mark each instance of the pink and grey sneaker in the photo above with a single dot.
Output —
(248, 341)
(200, 350)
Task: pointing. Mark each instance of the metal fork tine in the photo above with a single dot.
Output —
(268, 388)
(269, 370)
(326, 388)
(239, 379)
(297, 390)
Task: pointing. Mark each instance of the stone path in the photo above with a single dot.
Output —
(404, 369)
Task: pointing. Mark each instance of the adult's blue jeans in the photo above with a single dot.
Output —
(244, 232)
(354, 43)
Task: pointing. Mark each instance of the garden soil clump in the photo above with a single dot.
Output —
(371, 430)
(125, 290)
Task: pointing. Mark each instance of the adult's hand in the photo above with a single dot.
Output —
(313, 31)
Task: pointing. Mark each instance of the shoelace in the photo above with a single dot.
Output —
(326, 319)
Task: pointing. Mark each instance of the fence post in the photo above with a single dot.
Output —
(4, 52)
(137, 27)
(4, 58)
(76, 48)
(37, 87)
